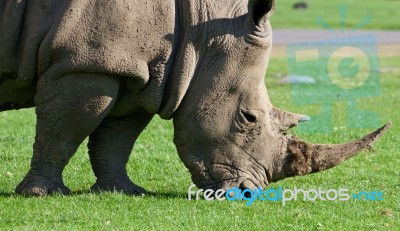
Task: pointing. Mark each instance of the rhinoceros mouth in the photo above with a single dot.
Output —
(240, 182)
(222, 176)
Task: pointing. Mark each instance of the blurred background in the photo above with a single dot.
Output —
(384, 14)
(369, 33)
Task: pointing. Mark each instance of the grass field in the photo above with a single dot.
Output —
(155, 165)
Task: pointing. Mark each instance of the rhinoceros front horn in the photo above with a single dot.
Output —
(304, 158)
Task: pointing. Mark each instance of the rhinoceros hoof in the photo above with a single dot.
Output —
(40, 188)
(126, 187)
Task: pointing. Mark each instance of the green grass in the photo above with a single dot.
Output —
(383, 14)
(155, 165)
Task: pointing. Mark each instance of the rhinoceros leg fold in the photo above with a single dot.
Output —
(67, 110)
(109, 148)
(285, 120)
(304, 158)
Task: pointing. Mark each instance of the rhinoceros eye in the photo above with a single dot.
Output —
(248, 116)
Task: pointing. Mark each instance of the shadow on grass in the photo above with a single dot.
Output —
(168, 195)
(165, 195)
(8, 194)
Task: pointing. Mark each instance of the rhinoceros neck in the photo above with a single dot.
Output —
(185, 59)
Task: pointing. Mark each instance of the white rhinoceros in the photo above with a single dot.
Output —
(103, 68)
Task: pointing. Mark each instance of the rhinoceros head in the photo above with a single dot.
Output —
(227, 132)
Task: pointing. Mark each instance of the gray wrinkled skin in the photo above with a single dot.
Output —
(103, 68)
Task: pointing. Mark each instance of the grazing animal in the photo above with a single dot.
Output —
(102, 68)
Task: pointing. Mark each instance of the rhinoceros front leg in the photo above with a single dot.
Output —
(68, 110)
(109, 148)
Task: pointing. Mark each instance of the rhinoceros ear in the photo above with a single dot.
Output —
(259, 9)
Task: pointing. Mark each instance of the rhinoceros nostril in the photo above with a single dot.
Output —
(249, 117)
(246, 192)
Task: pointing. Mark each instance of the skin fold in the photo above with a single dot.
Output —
(103, 68)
